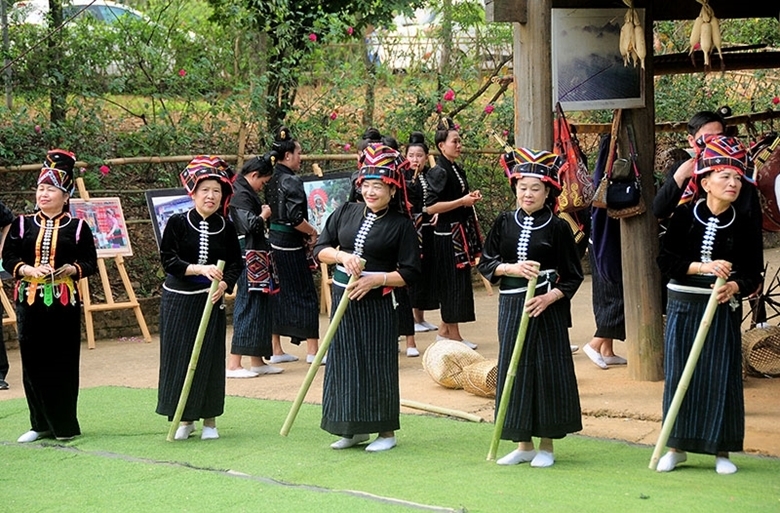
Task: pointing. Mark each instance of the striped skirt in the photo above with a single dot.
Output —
(252, 322)
(712, 414)
(456, 295)
(545, 401)
(360, 392)
(296, 311)
(424, 295)
(180, 316)
(608, 309)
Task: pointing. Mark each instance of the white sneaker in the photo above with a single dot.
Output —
(267, 369)
(32, 436)
(614, 360)
(594, 356)
(574, 348)
(381, 444)
(240, 373)
(345, 442)
(517, 456)
(543, 459)
(670, 460)
(431, 327)
(209, 433)
(310, 359)
(470, 345)
(184, 431)
(420, 328)
(411, 352)
(724, 466)
(283, 358)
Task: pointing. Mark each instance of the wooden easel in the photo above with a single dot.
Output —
(110, 304)
(9, 309)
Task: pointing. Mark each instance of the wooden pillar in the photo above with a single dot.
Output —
(639, 237)
(533, 77)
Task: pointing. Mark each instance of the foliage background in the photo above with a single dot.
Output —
(187, 79)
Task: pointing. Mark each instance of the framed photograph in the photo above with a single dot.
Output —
(325, 194)
(162, 204)
(104, 216)
(588, 72)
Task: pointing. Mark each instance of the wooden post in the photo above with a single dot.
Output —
(639, 236)
(241, 147)
(110, 304)
(533, 77)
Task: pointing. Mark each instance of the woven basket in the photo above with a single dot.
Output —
(444, 361)
(761, 351)
(480, 378)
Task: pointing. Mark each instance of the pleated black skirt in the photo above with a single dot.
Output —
(50, 348)
(295, 307)
(360, 392)
(424, 293)
(180, 316)
(608, 308)
(545, 401)
(456, 295)
(712, 414)
(252, 322)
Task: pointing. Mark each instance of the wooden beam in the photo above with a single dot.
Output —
(506, 10)
(679, 63)
(670, 10)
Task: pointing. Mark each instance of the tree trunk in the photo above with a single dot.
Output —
(58, 92)
(446, 38)
(369, 62)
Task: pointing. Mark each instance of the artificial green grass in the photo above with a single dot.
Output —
(124, 463)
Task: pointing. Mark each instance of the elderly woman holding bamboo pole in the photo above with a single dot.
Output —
(361, 392)
(708, 238)
(192, 244)
(522, 244)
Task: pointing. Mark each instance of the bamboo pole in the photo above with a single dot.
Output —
(314, 367)
(440, 410)
(509, 382)
(685, 378)
(204, 322)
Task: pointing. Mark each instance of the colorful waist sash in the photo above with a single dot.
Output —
(62, 289)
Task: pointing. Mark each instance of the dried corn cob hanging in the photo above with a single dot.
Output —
(706, 33)
(632, 37)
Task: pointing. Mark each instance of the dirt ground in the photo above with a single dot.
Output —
(614, 406)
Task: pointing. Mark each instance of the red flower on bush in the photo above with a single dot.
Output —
(334, 115)
(489, 108)
(104, 170)
(505, 132)
(350, 30)
(776, 100)
(182, 72)
(347, 147)
(37, 129)
(449, 95)
(439, 107)
(313, 37)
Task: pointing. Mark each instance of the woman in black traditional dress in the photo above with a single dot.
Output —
(458, 242)
(191, 245)
(530, 241)
(252, 319)
(361, 392)
(423, 293)
(708, 239)
(295, 308)
(48, 252)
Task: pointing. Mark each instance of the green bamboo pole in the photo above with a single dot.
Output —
(204, 323)
(509, 382)
(314, 367)
(685, 379)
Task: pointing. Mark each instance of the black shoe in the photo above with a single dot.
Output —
(3, 384)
